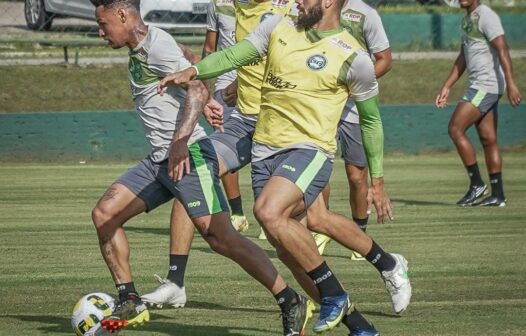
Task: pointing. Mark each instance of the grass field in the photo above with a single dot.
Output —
(467, 264)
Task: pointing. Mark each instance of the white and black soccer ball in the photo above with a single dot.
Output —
(89, 311)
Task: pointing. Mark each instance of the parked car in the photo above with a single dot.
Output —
(39, 14)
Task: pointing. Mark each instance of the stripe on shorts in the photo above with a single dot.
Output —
(206, 179)
(310, 172)
(478, 98)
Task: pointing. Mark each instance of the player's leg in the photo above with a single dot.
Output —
(466, 114)
(487, 130)
(206, 205)
(231, 180)
(392, 267)
(171, 290)
(134, 192)
(282, 183)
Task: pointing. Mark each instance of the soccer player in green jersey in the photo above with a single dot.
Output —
(484, 54)
(314, 64)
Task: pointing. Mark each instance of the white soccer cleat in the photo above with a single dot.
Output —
(167, 293)
(398, 285)
(239, 223)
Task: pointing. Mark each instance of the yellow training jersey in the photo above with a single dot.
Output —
(305, 87)
(249, 13)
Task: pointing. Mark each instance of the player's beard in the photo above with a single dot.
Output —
(312, 17)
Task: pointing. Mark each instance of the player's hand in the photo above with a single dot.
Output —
(229, 94)
(381, 201)
(514, 96)
(213, 113)
(441, 100)
(178, 160)
(176, 78)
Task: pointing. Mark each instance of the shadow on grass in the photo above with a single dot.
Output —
(60, 325)
(415, 202)
(191, 304)
(377, 313)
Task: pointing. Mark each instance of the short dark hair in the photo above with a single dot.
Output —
(112, 3)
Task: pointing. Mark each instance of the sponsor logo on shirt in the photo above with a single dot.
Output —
(341, 44)
(279, 82)
(225, 3)
(280, 3)
(317, 62)
(352, 17)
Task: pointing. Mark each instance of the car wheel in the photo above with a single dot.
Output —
(36, 16)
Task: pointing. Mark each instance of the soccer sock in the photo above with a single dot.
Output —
(474, 175)
(286, 298)
(380, 259)
(236, 206)
(497, 189)
(355, 320)
(177, 269)
(362, 222)
(326, 281)
(125, 290)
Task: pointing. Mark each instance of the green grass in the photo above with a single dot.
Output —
(467, 264)
(94, 88)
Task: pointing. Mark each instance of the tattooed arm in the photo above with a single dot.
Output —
(196, 97)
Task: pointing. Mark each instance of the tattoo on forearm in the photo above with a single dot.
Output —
(196, 98)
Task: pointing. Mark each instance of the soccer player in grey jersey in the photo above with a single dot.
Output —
(484, 53)
(182, 164)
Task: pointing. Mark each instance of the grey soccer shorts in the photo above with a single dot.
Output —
(309, 169)
(350, 138)
(485, 102)
(234, 145)
(200, 191)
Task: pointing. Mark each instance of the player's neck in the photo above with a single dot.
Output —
(137, 34)
(472, 7)
(328, 22)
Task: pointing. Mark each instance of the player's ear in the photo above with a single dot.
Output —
(122, 14)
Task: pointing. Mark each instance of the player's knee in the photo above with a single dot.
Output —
(265, 214)
(317, 221)
(454, 131)
(358, 180)
(488, 140)
(102, 218)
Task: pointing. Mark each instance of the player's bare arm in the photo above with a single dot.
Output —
(499, 43)
(456, 72)
(383, 62)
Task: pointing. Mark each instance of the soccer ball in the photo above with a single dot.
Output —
(89, 311)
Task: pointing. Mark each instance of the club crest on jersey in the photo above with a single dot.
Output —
(352, 17)
(316, 62)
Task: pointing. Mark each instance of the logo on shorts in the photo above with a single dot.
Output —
(194, 204)
(285, 166)
(316, 62)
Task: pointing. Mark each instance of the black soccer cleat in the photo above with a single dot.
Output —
(471, 196)
(491, 201)
(295, 318)
(129, 313)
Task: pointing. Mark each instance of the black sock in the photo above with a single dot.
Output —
(326, 281)
(177, 269)
(286, 298)
(236, 206)
(362, 222)
(474, 175)
(355, 320)
(125, 290)
(497, 189)
(380, 259)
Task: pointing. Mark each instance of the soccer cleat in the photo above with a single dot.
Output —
(365, 332)
(398, 285)
(296, 317)
(262, 235)
(491, 201)
(239, 223)
(332, 311)
(321, 241)
(167, 293)
(130, 313)
(357, 256)
(471, 196)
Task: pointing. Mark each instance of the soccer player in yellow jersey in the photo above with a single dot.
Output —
(310, 71)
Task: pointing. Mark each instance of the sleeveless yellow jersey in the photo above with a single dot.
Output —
(249, 13)
(305, 86)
